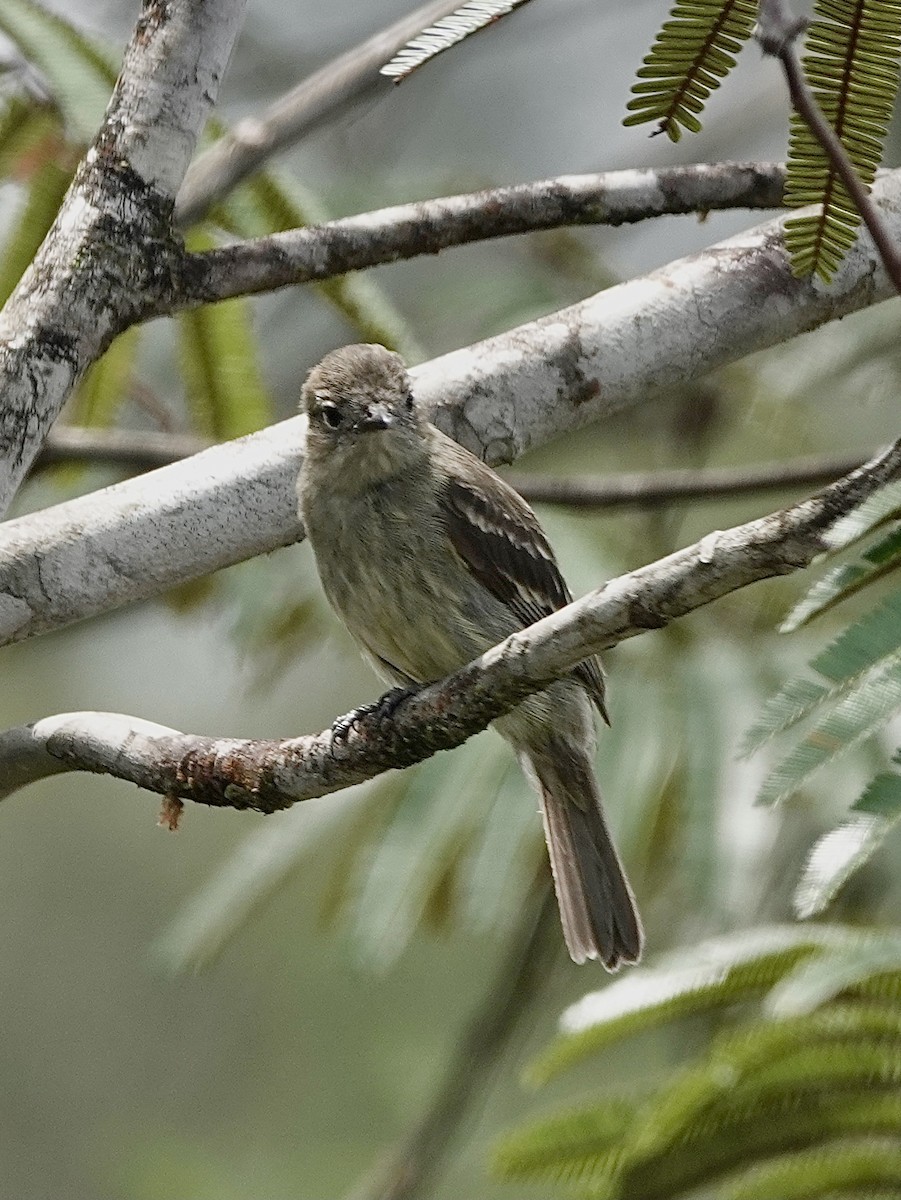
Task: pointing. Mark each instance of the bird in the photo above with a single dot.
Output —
(429, 558)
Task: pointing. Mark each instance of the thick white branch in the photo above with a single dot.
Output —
(498, 397)
(137, 538)
(616, 348)
(268, 776)
(110, 245)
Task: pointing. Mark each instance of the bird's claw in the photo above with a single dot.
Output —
(384, 708)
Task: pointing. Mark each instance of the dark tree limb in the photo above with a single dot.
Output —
(406, 1172)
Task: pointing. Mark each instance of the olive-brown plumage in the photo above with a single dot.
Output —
(430, 559)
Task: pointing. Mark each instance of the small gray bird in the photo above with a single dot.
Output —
(430, 559)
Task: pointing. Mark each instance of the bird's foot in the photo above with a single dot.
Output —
(384, 708)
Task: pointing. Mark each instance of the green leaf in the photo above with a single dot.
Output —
(872, 643)
(865, 644)
(722, 972)
(225, 388)
(853, 50)
(841, 1046)
(584, 1149)
(856, 714)
(450, 29)
(693, 52)
(794, 701)
(45, 194)
(883, 505)
(80, 74)
(882, 797)
(570, 1148)
(824, 1171)
(764, 1094)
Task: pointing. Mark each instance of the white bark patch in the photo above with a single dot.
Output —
(15, 614)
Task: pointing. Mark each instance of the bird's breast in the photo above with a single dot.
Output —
(390, 572)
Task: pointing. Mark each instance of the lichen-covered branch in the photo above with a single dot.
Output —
(273, 775)
(140, 537)
(429, 226)
(110, 246)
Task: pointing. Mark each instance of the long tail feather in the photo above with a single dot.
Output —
(597, 908)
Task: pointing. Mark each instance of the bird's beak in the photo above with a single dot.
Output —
(378, 416)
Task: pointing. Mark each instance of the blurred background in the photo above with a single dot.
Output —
(265, 1006)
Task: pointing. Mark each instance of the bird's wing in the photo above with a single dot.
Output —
(499, 539)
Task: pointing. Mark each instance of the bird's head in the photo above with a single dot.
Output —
(361, 411)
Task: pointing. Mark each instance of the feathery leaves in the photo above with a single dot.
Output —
(858, 690)
(782, 1103)
(694, 51)
(462, 23)
(852, 64)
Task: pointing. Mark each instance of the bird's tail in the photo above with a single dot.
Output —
(597, 908)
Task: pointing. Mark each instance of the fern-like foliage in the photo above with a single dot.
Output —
(852, 692)
(851, 62)
(783, 1101)
(694, 51)
(447, 31)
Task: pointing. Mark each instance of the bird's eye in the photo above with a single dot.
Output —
(331, 414)
(409, 401)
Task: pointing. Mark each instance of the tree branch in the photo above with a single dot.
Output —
(499, 398)
(322, 97)
(144, 449)
(268, 776)
(110, 244)
(428, 226)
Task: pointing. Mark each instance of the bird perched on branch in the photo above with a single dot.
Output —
(430, 559)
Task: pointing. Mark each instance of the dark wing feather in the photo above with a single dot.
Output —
(499, 538)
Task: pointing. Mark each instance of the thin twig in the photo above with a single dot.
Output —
(144, 449)
(147, 450)
(533, 948)
(650, 489)
(778, 30)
